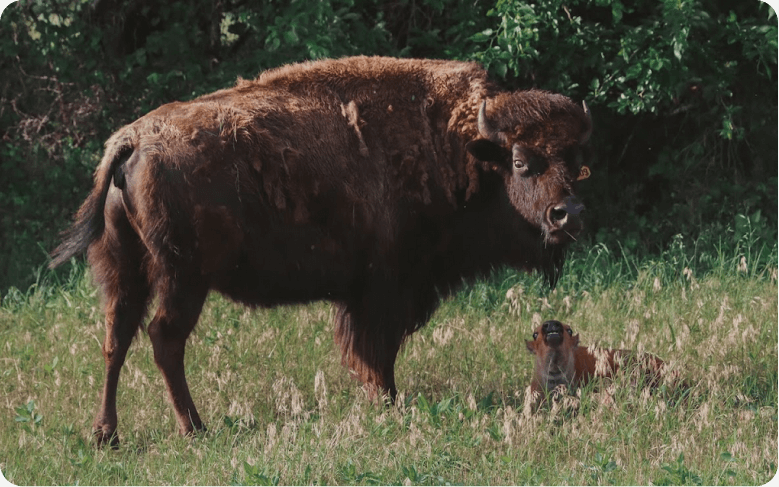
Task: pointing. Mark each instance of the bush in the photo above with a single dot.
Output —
(683, 94)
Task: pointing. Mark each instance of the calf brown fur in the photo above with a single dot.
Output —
(560, 361)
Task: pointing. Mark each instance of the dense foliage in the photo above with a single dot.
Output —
(683, 94)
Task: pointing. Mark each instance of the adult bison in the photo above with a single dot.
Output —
(375, 183)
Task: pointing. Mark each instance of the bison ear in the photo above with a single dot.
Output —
(530, 348)
(487, 151)
(576, 340)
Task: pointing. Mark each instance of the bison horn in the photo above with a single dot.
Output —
(486, 130)
(586, 135)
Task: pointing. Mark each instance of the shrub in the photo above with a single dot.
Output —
(683, 94)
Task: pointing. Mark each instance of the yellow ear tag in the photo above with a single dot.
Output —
(584, 173)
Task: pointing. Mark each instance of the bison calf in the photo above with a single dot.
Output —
(560, 361)
(376, 183)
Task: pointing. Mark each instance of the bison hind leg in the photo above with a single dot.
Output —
(116, 260)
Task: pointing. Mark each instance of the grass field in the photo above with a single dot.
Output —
(281, 409)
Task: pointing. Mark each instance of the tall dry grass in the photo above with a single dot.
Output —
(281, 409)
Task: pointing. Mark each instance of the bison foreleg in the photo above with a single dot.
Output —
(369, 344)
(175, 318)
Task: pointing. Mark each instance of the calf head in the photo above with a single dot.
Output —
(535, 140)
(554, 346)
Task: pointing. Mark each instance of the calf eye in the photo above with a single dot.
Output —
(570, 331)
(535, 335)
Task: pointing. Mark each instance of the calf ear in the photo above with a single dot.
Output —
(487, 150)
(575, 340)
(530, 346)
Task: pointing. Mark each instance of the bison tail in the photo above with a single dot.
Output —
(89, 222)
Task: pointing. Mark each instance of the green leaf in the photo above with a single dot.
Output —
(290, 37)
(633, 71)
(500, 68)
(616, 11)
(677, 47)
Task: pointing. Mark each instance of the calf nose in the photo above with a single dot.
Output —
(553, 332)
(552, 326)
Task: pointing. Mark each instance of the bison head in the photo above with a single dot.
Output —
(535, 140)
(554, 346)
(553, 335)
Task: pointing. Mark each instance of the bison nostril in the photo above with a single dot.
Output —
(558, 214)
(565, 215)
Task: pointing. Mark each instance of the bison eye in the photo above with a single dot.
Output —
(520, 166)
(570, 331)
(535, 335)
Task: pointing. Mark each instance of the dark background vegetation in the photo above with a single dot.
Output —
(683, 94)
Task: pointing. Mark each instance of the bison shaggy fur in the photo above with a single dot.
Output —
(378, 184)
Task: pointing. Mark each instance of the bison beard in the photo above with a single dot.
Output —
(551, 264)
(379, 184)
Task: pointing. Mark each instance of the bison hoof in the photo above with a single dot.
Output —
(106, 438)
(194, 431)
(379, 396)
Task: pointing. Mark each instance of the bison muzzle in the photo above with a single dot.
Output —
(379, 184)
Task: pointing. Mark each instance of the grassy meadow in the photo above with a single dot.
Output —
(282, 410)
